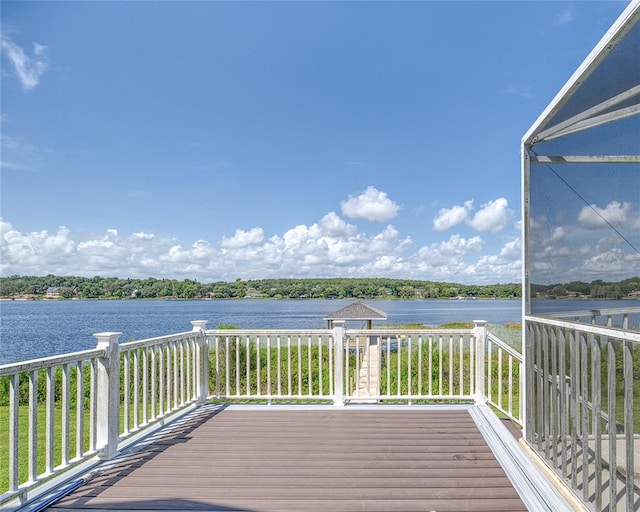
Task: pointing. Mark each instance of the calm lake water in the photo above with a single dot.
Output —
(32, 329)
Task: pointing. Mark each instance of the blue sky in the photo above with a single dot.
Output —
(224, 140)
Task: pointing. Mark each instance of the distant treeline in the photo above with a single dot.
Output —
(594, 290)
(69, 287)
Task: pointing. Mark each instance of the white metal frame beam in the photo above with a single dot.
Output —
(630, 15)
(593, 117)
(585, 159)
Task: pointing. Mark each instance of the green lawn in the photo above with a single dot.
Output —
(23, 440)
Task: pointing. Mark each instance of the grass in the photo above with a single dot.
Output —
(264, 375)
(23, 441)
(395, 372)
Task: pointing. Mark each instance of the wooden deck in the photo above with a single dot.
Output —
(279, 459)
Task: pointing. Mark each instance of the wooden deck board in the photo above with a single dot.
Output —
(307, 460)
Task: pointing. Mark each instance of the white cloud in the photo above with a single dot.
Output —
(34, 250)
(143, 235)
(10, 166)
(372, 205)
(331, 242)
(447, 252)
(334, 226)
(18, 155)
(458, 246)
(566, 16)
(492, 216)
(330, 247)
(449, 217)
(612, 262)
(243, 238)
(450, 260)
(519, 90)
(587, 249)
(27, 69)
(507, 262)
(200, 252)
(558, 234)
(615, 213)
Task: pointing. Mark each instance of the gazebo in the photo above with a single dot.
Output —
(357, 311)
(366, 378)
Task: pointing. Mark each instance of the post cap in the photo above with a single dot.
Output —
(198, 325)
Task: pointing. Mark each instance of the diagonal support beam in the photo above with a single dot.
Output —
(595, 116)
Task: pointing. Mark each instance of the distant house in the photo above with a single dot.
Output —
(53, 292)
(252, 293)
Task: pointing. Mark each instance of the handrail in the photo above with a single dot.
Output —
(595, 314)
(149, 342)
(49, 362)
(272, 332)
(590, 312)
(505, 346)
(610, 332)
(515, 366)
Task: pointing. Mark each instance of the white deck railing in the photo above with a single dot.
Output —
(605, 317)
(582, 418)
(41, 389)
(92, 402)
(96, 402)
(160, 376)
(507, 395)
(266, 365)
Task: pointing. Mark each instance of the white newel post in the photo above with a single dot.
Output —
(199, 326)
(480, 333)
(338, 363)
(108, 395)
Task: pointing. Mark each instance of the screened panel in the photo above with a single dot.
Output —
(584, 226)
(617, 73)
(582, 179)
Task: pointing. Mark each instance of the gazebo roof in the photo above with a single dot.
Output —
(357, 311)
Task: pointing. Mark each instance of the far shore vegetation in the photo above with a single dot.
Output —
(72, 287)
